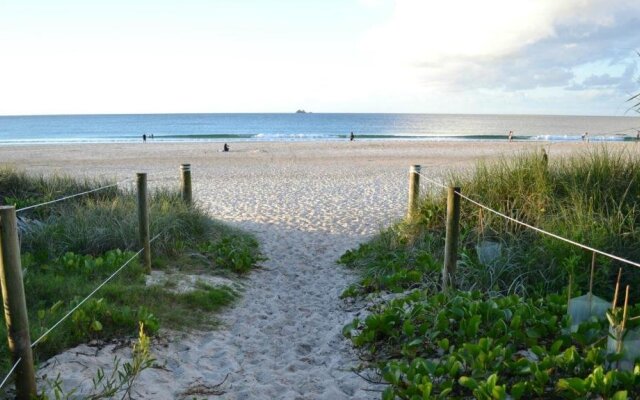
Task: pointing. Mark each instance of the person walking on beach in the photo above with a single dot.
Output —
(144, 137)
(225, 148)
(511, 136)
(638, 136)
(585, 137)
(352, 137)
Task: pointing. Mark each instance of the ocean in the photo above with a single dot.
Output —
(309, 126)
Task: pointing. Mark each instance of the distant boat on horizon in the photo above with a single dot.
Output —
(301, 111)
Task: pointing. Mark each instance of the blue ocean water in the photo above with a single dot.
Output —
(309, 126)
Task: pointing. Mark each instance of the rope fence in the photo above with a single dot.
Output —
(68, 314)
(524, 224)
(6, 378)
(90, 295)
(71, 196)
(13, 286)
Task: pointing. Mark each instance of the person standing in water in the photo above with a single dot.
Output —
(352, 137)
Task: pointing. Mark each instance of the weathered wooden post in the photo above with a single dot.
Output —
(452, 235)
(15, 306)
(414, 192)
(185, 170)
(143, 222)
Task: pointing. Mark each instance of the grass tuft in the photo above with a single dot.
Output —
(69, 248)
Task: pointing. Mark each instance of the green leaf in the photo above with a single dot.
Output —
(408, 328)
(538, 351)
(388, 394)
(473, 325)
(492, 380)
(518, 390)
(620, 395)
(96, 326)
(499, 392)
(574, 385)
(56, 306)
(555, 347)
(468, 382)
(533, 333)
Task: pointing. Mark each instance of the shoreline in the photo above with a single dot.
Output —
(171, 140)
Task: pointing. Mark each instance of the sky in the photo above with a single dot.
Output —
(564, 57)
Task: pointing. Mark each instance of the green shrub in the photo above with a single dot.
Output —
(71, 247)
(505, 333)
(468, 345)
(590, 198)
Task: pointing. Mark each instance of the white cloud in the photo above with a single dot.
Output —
(509, 44)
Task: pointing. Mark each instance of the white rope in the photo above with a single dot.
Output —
(6, 378)
(90, 294)
(70, 196)
(553, 235)
(442, 185)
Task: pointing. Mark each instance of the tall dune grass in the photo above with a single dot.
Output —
(591, 198)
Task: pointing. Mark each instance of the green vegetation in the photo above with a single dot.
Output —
(505, 330)
(116, 384)
(70, 247)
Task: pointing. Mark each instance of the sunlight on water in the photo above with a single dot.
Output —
(310, 126)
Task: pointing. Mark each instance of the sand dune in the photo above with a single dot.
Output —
(307, 203)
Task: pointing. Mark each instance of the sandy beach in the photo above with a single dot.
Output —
(306, 203)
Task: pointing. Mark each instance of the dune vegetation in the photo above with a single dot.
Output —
(69, 248)
(503, 331)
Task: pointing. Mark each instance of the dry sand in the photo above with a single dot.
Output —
(307, 203)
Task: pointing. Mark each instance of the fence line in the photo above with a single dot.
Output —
(71, 196)
(4, 381)
(553, 235)
(6, 378)
(24, 388)
(90, 294)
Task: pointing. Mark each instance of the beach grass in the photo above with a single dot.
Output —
(69, 248)
(591, 198)
(503, 332)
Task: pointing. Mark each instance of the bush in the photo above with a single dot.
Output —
(71, 247)
(591, 198)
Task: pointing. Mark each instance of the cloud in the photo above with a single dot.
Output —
(513, 45)
(624, 83)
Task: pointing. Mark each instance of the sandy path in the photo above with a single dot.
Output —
(307, 204)
(287, 328)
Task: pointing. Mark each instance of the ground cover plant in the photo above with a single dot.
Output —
(69, 248)
(504, 332)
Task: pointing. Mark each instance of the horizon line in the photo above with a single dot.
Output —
(308, 112)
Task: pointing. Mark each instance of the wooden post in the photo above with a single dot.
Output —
(452, 235)
(15, 306)
(414, 192)
(185, 170)
(143, 222)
